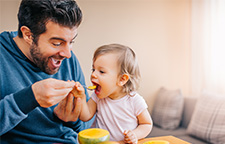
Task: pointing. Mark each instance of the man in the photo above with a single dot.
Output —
(37, 73)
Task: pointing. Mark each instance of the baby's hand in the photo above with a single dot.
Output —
(78, 90)
(130, 137)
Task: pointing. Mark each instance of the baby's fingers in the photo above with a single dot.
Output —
(78, 90)
(79, 87)
(130, 137)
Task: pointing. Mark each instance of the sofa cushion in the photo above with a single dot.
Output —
(168, 107)
(208, 119)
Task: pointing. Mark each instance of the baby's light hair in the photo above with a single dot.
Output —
(127, 63)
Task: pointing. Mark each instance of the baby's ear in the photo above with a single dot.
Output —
(123, 79)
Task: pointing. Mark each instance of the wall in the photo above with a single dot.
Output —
(157, 30)
(8, 14)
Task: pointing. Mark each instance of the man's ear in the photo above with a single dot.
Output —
(27, 35)
(123, 79)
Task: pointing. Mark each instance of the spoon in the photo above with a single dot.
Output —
(90, 87)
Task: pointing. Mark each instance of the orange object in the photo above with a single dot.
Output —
(93, 136)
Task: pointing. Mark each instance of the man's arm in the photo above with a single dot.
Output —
(45, 93)
(15, 107)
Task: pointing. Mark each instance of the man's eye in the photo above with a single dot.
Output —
(56, 44)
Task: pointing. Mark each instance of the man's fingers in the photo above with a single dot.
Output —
(63, 91)
(77, 108)
(62, 104)
(69, 104)
(64, 108)
(69, 108)
(60, 108)
(60, 84)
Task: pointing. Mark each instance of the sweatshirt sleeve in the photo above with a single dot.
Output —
(15, 107)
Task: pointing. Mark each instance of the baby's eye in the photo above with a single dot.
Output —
(92, 70)
(102, 72)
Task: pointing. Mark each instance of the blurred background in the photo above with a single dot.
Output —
(179, 43)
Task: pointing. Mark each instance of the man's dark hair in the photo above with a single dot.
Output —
(35, 13)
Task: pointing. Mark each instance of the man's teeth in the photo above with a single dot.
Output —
(55, 61)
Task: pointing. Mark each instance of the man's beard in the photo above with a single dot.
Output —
(40, 61)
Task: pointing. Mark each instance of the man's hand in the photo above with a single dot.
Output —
(50, 91)
(68, 109)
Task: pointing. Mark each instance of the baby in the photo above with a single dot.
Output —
(118, 107)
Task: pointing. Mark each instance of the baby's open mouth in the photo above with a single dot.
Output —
(98, 88)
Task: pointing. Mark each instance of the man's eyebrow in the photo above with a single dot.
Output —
(57, 38)
(74, 36)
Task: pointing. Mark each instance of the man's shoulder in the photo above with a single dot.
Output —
(9, 33)
(5, 37)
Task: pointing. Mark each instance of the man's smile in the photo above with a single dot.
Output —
(55, 63)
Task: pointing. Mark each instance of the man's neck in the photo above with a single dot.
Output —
(23, 46)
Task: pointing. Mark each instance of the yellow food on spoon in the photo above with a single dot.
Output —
(92, 87)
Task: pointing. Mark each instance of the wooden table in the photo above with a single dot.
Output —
(171, 139)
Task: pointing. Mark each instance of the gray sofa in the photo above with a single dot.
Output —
(180, 132)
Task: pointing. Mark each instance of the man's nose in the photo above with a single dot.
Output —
(66, 51)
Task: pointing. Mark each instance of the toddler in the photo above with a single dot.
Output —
(118, 107)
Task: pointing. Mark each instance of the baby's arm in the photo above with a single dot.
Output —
(143, 129)
(88, 109)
